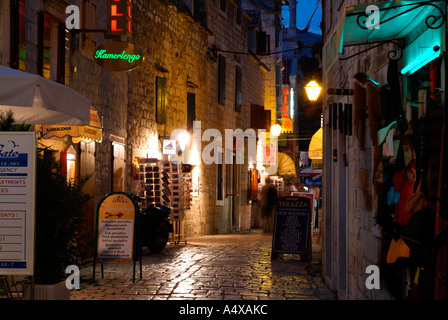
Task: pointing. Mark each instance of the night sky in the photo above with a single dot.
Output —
(305, 9)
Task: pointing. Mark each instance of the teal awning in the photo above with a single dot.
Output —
(397, 20)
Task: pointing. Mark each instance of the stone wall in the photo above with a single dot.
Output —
(175, 47)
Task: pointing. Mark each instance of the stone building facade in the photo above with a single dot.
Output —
(189, 44)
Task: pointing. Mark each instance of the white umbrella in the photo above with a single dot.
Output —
(36, 100)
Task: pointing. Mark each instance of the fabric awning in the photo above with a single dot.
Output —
(315, 149)
(91, 132)
(36, 100)
(286, 166)
(308, 172)
(397, 19)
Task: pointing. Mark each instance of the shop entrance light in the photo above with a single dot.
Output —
(184, 139)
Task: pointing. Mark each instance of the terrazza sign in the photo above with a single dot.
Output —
(118, 56)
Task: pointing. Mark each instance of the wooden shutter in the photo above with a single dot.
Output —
(238, 89)
(263, 42)
(88, 21)
(259, 118)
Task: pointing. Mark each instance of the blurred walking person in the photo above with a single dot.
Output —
(268, 204)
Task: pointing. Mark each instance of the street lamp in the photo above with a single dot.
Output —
(313, 91)
(276, 129)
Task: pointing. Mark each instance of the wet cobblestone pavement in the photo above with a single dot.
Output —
(219, 267)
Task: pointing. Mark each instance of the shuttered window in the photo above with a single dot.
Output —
(54, 49)
(18, 34)
(222, 80)
(263, 43)
(223, 5)
(238, 90)
(259, 118)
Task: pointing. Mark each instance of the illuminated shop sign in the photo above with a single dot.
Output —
(287, 104)
(119, 18)
(118, 56)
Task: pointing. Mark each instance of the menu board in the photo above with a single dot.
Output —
(116, 225)
(17, 198)
(292, 226)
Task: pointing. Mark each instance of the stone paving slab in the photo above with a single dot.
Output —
(219, 267)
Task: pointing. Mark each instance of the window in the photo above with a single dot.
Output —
(251, 40)
(88, 21)
(220, 183)
(259, 117)
(54, 49)
(263, 42)
(222, 80)
(200, 10)
(118, 167)
(161, 98)
(219, 191)
(18, 33)
(238, 93)
(191, 110)
(239, 13)
(258, 42)
(223, 5)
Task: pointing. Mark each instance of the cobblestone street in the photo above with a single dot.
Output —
(219, 267)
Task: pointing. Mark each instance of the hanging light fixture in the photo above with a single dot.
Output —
(276, 129)
(313, 90)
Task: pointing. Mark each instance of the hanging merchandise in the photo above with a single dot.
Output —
(398, 250)
(404, 180)
(165, 184)
(394, 175)
(168, 184)
(379, 164)
(419, 232)
(388, 146)
(417, 202)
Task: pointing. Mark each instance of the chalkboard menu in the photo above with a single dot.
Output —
(292, 226)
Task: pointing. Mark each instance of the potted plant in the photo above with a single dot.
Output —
(59, 223)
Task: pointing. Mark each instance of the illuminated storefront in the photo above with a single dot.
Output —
(383, 132)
